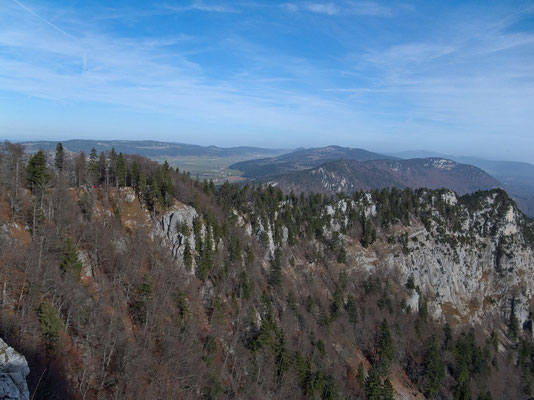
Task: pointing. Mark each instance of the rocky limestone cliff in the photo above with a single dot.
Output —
(469, 256)
(478, 268)
(168, 224)
(13, 372)
(481, 267)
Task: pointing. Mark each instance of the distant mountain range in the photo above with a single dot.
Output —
(302, 159)
(333, 168)
(516, 177)
(495, 168)
(351, 175)
(153, 149)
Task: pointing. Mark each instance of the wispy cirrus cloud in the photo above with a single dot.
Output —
(399, 56)
(202, 6)
(142, 75)
(348, 8)
(293, 73)
(322, 8)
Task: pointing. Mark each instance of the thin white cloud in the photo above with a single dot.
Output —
(202, 6)
(349, 8)
(291, 7)
(408, 54)
(371, 9)
(46, 21)
(322, 8)
(141, 75)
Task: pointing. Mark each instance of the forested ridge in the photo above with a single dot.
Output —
(266, 298)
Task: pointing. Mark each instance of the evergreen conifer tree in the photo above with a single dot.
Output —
(386, 348)
(113, 168)
(36, 171)
(373, 386)
(121, 171)
(80, 169)
(188, 256)
(388, 393)
(50, 320)
(102, 170)
(93, 167)
(434, 369)
(69, 258)
(60, 157)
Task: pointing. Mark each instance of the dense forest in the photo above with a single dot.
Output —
(264, 300)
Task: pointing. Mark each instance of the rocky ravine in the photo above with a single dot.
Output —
(13, 372)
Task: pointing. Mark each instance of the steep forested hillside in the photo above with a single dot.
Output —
(303, 159)
(126, 279)
(350, 175)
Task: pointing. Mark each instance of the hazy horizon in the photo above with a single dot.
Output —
(398, 153)
(453, 78)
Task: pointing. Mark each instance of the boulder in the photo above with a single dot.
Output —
(13, 372)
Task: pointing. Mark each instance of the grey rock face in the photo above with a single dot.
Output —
(13, 372)
(168, 223)
(480, 269)
(413, 301)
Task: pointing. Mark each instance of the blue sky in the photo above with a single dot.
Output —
(454, 77)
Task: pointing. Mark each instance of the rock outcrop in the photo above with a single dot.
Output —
(13, 372)
(170, 223)
(474, 268)
(472, 257)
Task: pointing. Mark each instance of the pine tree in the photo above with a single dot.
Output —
(463, 389)
(434, 369)
(182, 306)
(142, 182)
(69, 258)
(275, 277)
(121, 171)
(342, 255)
(352, 309)
(447, 336)
(245, 285)
(36, 171)
(281, 354)
(188, 256)
(337, 304)
(60, 157)
(388, 393)
(368, 231)
(92, 167)
(139, 307)
(513, 326)
(373, 386)
(50, 320)
(136, 175)
(80, 170)
(102, 170)
(249, 257)
(361, 375)
(113, 168)
(386, 348)
(330, 391)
